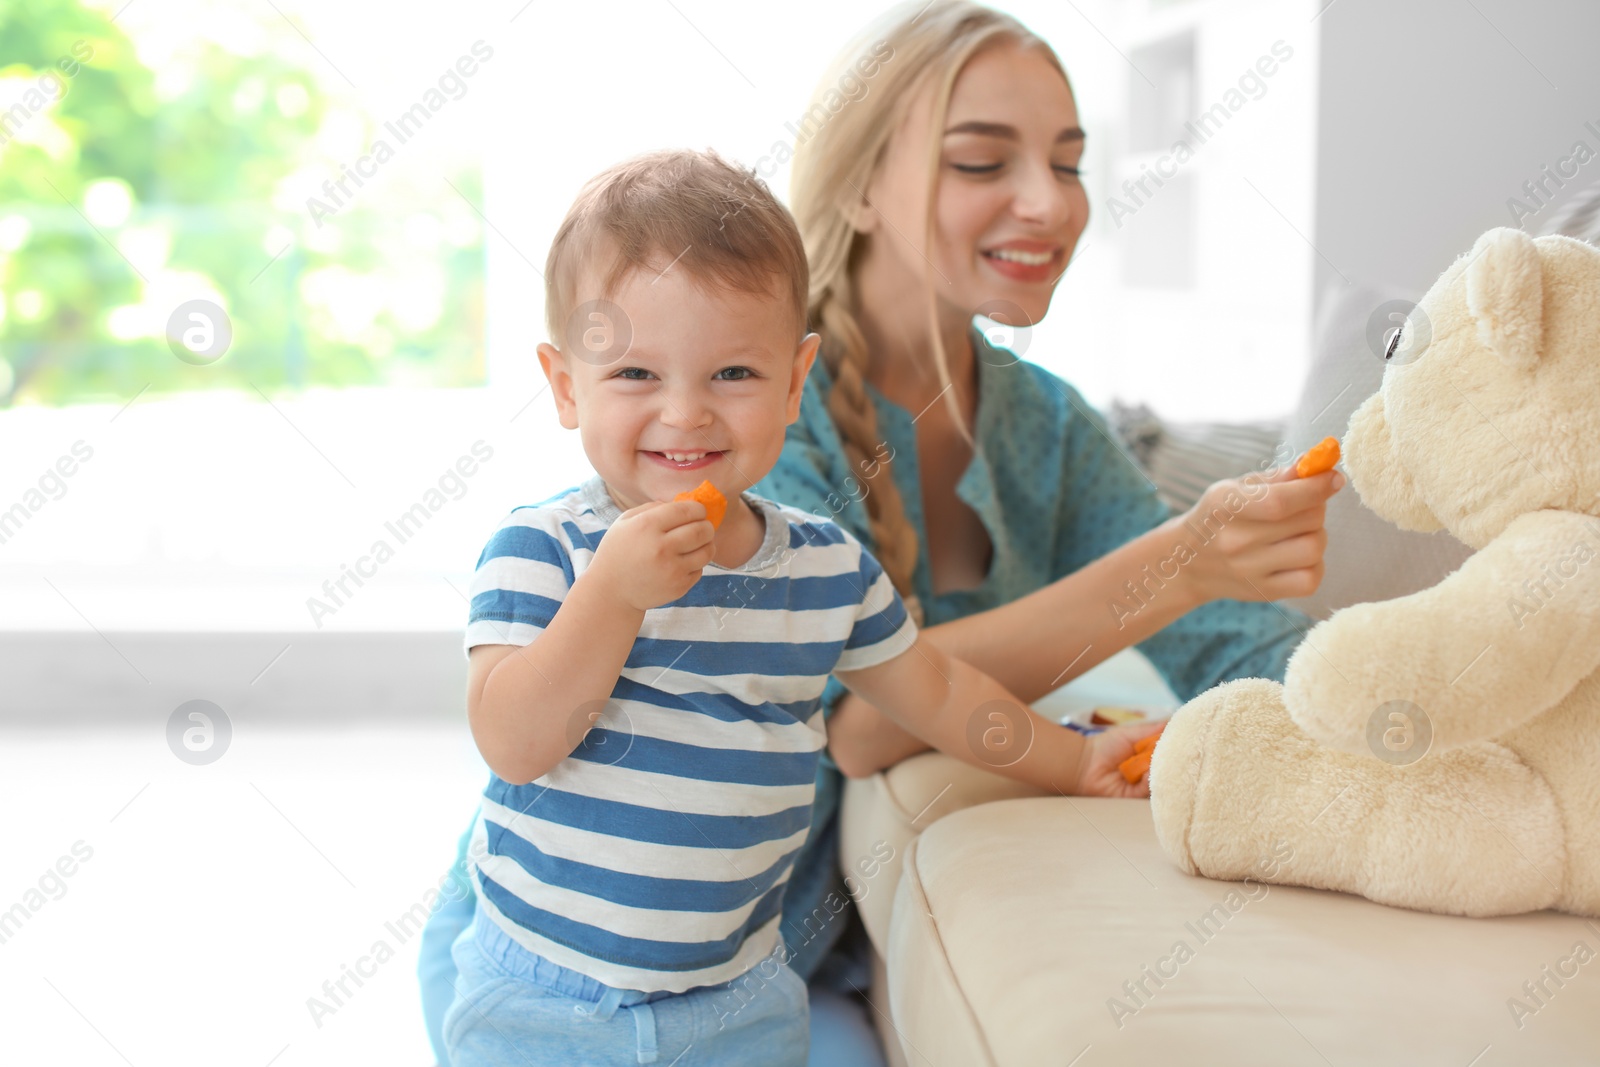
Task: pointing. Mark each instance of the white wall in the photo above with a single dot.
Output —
(1433, 114)
(1233, 345)
(1394, 135)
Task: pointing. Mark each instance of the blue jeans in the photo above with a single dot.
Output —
(513, 1007)
(842, 1033)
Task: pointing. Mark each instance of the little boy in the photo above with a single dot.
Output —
(645, 686)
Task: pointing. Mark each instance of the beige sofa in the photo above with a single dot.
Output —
(1072, 957)
(1016, 929)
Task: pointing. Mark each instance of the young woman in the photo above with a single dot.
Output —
(993, 495)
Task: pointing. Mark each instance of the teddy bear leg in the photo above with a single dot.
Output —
(1239, 791)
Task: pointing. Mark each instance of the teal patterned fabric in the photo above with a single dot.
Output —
(1055, 491)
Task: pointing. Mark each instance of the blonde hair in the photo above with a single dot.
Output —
(715, 219)
(927, 43)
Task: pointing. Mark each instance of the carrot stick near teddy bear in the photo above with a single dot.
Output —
(1439, 751)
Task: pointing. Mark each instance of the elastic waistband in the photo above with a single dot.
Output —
(530, 966)
(599, 1001)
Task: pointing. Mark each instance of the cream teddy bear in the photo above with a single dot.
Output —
(1440, 751)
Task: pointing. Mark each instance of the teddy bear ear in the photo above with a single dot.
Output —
(1505, 294)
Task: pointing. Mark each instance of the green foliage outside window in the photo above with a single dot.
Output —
(126, 191)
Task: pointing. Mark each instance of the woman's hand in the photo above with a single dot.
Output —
(1099, 770)
(1256, 538)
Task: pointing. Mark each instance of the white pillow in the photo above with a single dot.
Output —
(1183, 458)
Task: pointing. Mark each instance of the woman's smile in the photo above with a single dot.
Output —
(1026, 261)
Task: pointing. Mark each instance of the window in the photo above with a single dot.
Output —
(152, 168)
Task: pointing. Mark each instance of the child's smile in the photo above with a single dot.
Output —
(703, 392)
(686, 461)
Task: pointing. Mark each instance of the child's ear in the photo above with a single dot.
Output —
(555, 369)
(804, 356)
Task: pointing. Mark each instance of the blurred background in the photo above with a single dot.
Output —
(346, 211)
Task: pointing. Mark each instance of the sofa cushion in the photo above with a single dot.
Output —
(880, 815)
(1046, 960)
(883, 814)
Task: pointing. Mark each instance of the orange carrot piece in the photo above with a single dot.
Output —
(1318, 458)
(1134, 767)
(707, 494)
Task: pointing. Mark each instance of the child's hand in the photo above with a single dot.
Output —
(1100, 774)
(1259, 538)
(654, 553)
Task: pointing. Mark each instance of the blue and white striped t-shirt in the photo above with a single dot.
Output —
(655, 856)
